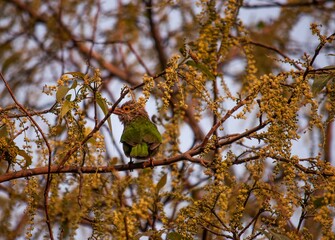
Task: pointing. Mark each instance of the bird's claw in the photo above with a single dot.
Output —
(130, 164)
(151, 162)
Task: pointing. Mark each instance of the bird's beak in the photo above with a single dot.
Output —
(118, 111)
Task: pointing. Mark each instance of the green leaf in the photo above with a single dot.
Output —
(174, 236)
(161, 183)
(104, 107)
(61, 92)
(102, 104)
(260, 25)
(68, 97)
(191, 63)
(65, 108)
(26, 157)
(183, 51)
(271, 234)
(74, 84)
(92, 140)
(278, 236)
(322, 79)
(319, 202)
(58, 130)
(203, 68)
(148, 234)
(3, 131)
(78, 75)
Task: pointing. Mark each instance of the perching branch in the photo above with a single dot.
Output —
(189, 155)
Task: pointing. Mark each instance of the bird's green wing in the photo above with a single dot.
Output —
(131, 134)
(140, 138)
(130, 139)
(152, 136)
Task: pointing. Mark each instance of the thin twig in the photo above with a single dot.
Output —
(286, 5)
(275, 50)
(156, 34)
(47, 187)
(95, 129)
(94, 31)
(260, 211)
(31, 113)
(316, 53)
(139, 59)
(222, 120)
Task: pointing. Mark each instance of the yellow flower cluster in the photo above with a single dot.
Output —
(171, 78)
(33, 200)
(8, 150)
(149, 84)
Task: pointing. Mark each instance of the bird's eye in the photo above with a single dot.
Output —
(126, 108)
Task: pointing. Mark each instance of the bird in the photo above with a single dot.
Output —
(140, 137)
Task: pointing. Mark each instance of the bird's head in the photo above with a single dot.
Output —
(129, 111)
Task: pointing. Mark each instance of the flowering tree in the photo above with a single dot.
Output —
(246, 115)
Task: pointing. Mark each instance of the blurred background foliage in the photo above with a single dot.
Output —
(265, 171)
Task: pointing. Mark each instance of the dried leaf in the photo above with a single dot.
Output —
(61, 92)
(26, 157)
(161, 183)
(321, 80)
(78, 75)
(67, 105)
(3, 131)
(104, 107)
(203, 68)
(174, 236)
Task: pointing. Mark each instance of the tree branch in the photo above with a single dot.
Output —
(275, 50)
(47, 187)
(82, 47)
(155, 34)
(312, 3)
(188, 156)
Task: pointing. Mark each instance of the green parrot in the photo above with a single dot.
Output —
(140, 138)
